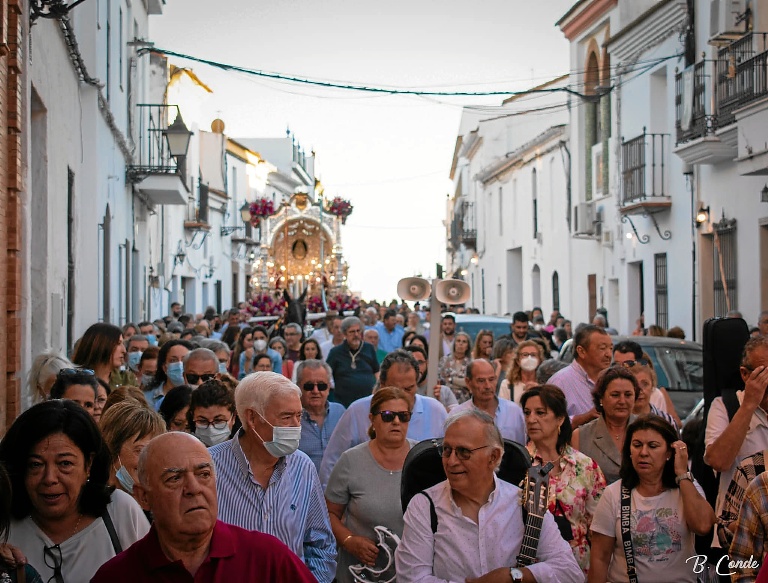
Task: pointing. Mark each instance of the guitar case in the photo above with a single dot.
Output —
(423, 467)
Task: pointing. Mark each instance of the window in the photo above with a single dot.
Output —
(662, 305)
(724, 266)
(555, 291)
(534, 195)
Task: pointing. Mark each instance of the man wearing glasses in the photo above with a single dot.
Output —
(293, 336)
(200, 365)
(480, 525)
(319, 417)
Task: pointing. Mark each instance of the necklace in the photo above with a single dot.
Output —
(77, 524)
(354, 356)
(616, 436)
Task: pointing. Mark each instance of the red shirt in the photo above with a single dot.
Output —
(235, 555)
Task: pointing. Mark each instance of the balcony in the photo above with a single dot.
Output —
(197, 211)
(157, 174)
(741, 75)
(645, 173)
(468, 230)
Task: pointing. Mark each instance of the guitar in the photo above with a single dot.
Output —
(535, 494)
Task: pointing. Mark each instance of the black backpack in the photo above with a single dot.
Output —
(423, 468)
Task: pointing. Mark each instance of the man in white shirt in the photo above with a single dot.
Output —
(336, 336)
(507, 415)
(480, 524)
(400, 370)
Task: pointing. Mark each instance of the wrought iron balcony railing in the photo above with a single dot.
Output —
(152, 155)
(644, 168)
(741, 75)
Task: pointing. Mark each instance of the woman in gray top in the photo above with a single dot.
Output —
(603, 438)
(364, 488)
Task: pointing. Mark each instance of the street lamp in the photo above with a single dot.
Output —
(177, 135)
(702, 216)
(245, 212)
(764, 194)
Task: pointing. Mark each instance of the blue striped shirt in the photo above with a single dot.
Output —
(314, 438)
(291, 508)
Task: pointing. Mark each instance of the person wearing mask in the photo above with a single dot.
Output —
(148, 330)
(211, 413)
(575, 482)
(522, 371)
(592, 354)
(170, 371)
(603, 438)
(363, 491)
(135, 347)
(222, 352)
(508, 416)
(147, 367)
(77, 385)
(127, 428)
(260, 467)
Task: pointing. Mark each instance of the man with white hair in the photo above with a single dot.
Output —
(354, 364)
(200, 365)
(475, 529)
(264, 483)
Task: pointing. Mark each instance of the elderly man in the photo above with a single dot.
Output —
(200, 365)
(443, 394)
(371, 336)
(399, 370)
(177, 483)
(353, 363)
(264, 483)
(475, 512)
(507, 415)
(728, 441)
(293, 336)
(319, 417)
(592, 354)
(336, 336)
(390, 332)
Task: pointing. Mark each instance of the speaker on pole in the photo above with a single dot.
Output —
(452, 291)
(414, 289)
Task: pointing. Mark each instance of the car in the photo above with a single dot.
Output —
(473, 323)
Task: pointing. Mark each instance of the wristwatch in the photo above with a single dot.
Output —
(685, 476)
(517, 575)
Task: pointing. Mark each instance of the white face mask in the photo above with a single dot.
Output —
(260, 345)
(285, 440)
(529, 363)
(211, 436)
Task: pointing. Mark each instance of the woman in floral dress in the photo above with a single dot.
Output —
(575, 482)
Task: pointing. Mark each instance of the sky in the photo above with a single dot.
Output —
(390, 156)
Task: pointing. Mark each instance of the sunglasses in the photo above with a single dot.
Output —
(53, 555)
(389, 416)
(634, 363)
(193, 378)
(309, 386)
(462, 453)
(68, 372)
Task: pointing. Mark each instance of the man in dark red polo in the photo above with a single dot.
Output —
(177, 483)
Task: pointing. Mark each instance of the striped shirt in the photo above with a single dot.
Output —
(747, 470)
(577, 386)
(749, 539)
(291, 508)
(314, 438)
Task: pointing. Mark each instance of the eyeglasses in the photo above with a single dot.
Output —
(53, 554)
(205, 424)
(68, 372)
(310, 386)
(462, 453)
(193, 378)
(633, 363)
(389, 416)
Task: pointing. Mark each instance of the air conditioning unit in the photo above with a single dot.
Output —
(585, 219)
(726, 22)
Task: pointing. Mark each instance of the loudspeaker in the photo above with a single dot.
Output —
(413, 289)
(452, 291)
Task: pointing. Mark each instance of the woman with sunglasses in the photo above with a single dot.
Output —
(364, 488)
(67, 520)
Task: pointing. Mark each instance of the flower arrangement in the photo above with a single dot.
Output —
(267, 304)
(341, 208)
(261, 208)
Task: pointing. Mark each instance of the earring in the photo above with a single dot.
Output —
(558, 429)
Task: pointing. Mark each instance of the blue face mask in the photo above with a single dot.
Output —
(125, 479)
(152, 339)
(223, 367)
(133, 360)
(175, 373)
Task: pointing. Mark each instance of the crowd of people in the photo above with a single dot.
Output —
(204, 447)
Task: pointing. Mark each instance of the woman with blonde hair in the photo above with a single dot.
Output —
(452, 369)
(483, 345)
(42, 374)
(528, 355)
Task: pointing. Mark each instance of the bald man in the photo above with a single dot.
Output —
(177, 482)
